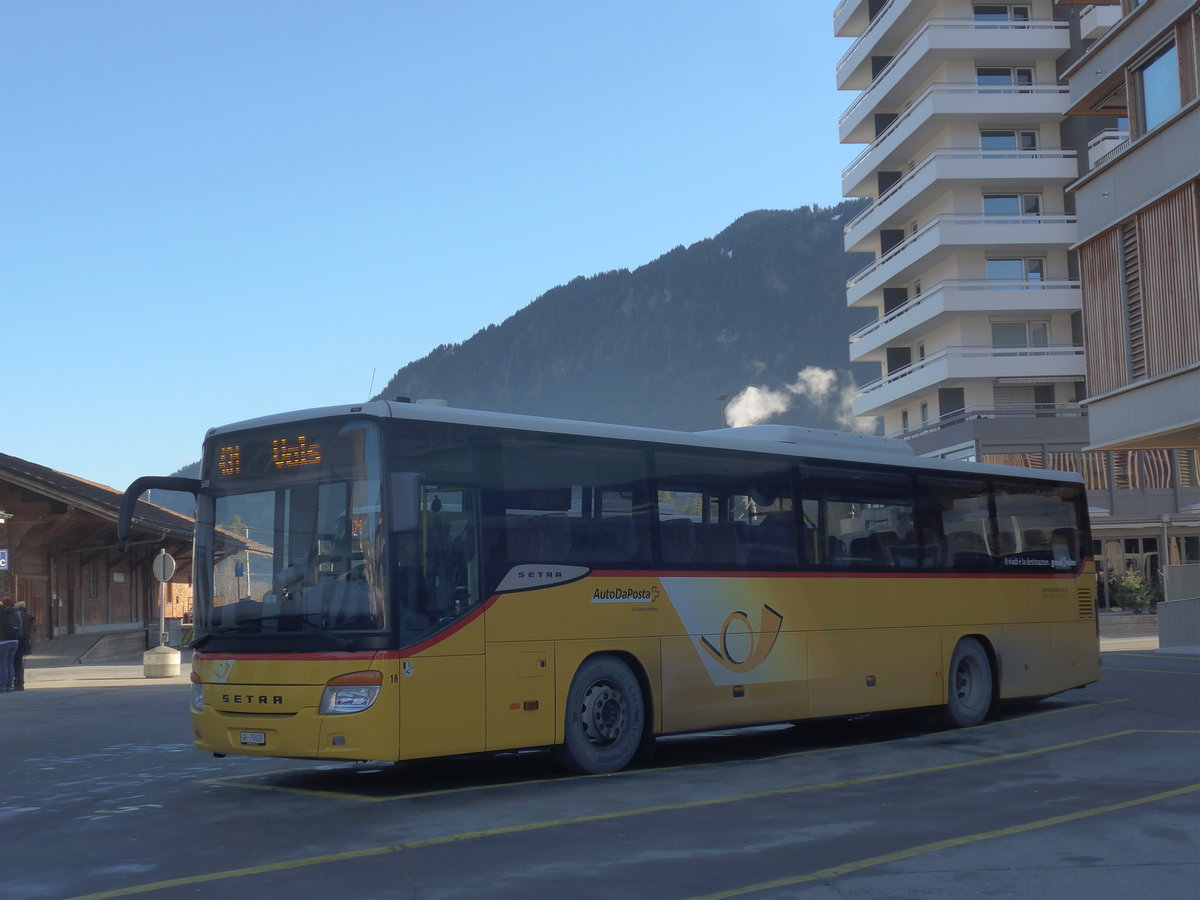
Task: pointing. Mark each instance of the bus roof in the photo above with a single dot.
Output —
(788, 440)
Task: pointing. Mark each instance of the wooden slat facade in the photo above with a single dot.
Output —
(1142, 312)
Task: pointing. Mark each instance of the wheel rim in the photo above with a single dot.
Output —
(604, 713)
(967, 678)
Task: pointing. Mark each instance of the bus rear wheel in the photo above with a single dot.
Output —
(969, 686)
(605, 717)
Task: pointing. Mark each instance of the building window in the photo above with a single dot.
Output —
(904, 420)
(1157, 85)
(924, 413)
(1008, 139)
(1008, 335)
(1003, 76)
(93, 585)
(1000, 12)
(1018, 269)
(1005, 205)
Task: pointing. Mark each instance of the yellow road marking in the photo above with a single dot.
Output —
(933, 847)
(601, 817)
(237, 780)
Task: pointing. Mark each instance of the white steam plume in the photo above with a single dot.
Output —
(814, 383)
(822, 388)
(754, 405)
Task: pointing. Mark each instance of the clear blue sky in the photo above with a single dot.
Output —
(215, 210)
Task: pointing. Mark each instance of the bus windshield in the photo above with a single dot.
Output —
(291, 544)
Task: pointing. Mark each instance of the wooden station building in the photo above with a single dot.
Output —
(60, 534)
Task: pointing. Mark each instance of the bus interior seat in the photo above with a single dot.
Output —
(718, 544)
(773, 540)
(348, 603)
(677, 540)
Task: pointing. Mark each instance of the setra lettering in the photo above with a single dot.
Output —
(255, 699)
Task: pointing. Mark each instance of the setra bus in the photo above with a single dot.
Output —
(393, 581)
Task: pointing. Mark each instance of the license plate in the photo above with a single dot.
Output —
(254, 738)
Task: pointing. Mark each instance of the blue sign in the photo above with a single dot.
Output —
(239, 570)
(3, 560)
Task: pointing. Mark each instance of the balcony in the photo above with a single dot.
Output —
(951, 298)
(885, 34)
(1134, 174)
(851, 18)
(1005, 414)
(961, 363)
(1094, 21)
(942, 103)
(1107, 145)
(947, 234)
(986, 168)
(937, 42)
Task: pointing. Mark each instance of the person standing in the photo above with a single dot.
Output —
(24, 645)
(10, 632)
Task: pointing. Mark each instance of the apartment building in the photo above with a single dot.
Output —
(978, 326)
(1138, 217)
(1139, 239)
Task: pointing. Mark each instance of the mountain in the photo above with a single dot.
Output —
(756, 305)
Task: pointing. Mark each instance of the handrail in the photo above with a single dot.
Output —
(957, 219)
(961, 284)
(952, 153)
(1022, 411)
(948, 24)
(1112, 154)
(870, 27)
(950, 88)
(966, 352)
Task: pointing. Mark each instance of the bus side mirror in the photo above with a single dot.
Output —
(404, 500)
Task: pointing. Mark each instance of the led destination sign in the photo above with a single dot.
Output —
(269, 454)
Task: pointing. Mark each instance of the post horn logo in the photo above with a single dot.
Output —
(761, 641)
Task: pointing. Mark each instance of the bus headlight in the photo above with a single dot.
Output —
(350, 693)
(197, 694)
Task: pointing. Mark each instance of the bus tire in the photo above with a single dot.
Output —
(968, 686)
(605, 717)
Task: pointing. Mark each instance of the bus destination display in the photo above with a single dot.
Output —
(285, 453)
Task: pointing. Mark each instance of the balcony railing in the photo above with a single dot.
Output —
(937, 155)
(956, 219)
(1026, 411)
(947, 354)
(866, 31)
(960, 284)
(1107, 145)
(949, 88)
(940, 25)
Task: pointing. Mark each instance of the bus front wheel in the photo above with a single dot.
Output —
(969, 686)
(605, 717)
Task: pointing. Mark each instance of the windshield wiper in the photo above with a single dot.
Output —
(344, 642)
(337, 640)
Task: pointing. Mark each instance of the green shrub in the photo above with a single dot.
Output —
(1131, 592)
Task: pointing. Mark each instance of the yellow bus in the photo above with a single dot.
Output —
(393, 581)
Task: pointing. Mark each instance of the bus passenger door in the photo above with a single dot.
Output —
(442, 684)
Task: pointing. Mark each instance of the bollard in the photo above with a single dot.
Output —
(160, 662)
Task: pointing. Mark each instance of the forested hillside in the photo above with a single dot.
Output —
(757, 304)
